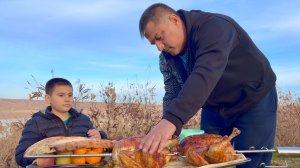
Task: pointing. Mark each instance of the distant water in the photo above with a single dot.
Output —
(8, 121)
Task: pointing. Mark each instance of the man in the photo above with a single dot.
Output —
(209, 61)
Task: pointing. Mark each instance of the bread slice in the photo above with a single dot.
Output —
(60, 144)
(42, 147)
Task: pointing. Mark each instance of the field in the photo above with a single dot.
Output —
(114, 113)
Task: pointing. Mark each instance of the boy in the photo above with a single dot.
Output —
(58, 119)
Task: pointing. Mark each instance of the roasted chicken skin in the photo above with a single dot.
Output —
(206, 149)
(126, 154)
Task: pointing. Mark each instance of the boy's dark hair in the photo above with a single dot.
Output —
(56, 81)
(153, 13)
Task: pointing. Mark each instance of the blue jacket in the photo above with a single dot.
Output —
(224, 71)
(44, 124)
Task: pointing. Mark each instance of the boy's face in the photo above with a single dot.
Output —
(61, 98)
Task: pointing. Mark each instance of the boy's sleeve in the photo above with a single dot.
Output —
(103, 135)
(30, 135)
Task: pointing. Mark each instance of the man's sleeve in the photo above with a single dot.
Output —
(172, 88)
(213, 43)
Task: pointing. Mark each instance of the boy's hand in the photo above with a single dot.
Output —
(93, 133)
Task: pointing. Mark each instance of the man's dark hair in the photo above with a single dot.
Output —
(153, 13)
(56, 81)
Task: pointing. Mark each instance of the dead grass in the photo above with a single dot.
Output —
(131, 114)
(134, 111)
(288, 126)
(11, 134)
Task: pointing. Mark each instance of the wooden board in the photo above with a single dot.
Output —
(182, 163)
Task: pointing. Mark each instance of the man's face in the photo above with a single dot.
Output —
(168, 35)
(61, 98)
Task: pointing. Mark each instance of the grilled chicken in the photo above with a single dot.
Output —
(208, 148)
(126, 153)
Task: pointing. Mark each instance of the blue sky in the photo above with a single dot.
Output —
(98, 41)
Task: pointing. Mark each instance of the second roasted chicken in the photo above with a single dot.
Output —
(208, 148)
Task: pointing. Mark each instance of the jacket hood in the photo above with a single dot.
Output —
(193, 19)
(187, 22)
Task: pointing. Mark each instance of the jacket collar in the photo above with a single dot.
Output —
(48, 112)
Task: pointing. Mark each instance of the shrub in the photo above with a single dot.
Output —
(10, 133)
(133, 111)
(288, 115)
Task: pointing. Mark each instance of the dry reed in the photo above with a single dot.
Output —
(134, 111)
(288, 115)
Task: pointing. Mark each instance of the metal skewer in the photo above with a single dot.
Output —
(84, 155)
(70, 155)
(256, 151)
(282, 151)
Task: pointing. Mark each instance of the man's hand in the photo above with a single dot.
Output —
(93, 133)
(158, 137)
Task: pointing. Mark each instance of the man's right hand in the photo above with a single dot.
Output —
(158, 136)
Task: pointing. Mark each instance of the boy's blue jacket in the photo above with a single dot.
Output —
(44, 124)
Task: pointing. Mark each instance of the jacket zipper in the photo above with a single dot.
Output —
(66, 129)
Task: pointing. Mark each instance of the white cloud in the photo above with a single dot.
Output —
(288, 76)
(51, 10)
(82, 10)
(279, 20)
(112, 65)
(285, 27)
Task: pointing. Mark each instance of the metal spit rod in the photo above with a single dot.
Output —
(83, 155)
(69, 155)
(282, 151)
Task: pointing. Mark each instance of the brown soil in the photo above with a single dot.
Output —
(22, 108)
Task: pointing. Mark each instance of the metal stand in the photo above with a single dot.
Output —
(282, 151)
